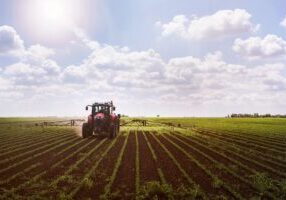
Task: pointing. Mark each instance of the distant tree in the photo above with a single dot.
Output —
(256, 115)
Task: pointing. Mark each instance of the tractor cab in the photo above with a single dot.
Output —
(106, 108)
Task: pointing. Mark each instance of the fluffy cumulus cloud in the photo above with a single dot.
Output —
(213, 80)
(34, 65)
(10, 41)
(139, 78)
(220, 24)
(283, 22)
(40, 51)
(259, 48)
(118, 67)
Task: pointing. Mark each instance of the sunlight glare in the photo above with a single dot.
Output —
(53, 19)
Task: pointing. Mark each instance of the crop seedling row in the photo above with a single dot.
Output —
(225, 159)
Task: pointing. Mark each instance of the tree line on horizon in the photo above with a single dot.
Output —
(255, 115)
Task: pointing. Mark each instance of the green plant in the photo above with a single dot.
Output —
(282, 186)
(64, 196)
(87, 183)
(189, 193)
(157, 191)
(62, 180)
(137, 164)
(111, 196)
(94, 167)
(159, 170)
(154, 190)
(262, 182)
(217, 183)
(107, 187)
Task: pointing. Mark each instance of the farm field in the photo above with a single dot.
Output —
(173, 158)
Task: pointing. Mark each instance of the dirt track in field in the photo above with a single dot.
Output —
(65, 165)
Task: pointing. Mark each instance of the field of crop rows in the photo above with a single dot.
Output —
(179, 163)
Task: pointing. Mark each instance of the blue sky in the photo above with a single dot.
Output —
(173, 58)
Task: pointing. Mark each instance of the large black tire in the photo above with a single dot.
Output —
(112, 131)
(116, 131)
(118, 126)
(86, 131)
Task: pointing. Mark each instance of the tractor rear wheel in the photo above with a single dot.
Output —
(112, 131)
(86, 131)
(118, 126)
(116, 131)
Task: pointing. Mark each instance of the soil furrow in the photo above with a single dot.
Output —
(148, 168)
(125, 180)
(99, 178)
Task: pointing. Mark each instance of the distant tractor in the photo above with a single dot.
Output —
(101, 120)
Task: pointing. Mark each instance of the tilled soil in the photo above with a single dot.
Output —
(211, 166)
(125, 179)
(259, 167)
(193, 170)
(42, 177)
(148, 168)
(170, 170)
(101, 175)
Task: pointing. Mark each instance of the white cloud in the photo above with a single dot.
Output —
(259, 48)
(10, 41)
(140, 78)
(74, 74)
(93, 45)
(33, 66)
(22, 69)
(5, 84)
(211, 79)
(218, 25)
(25, 73)
(283, 22)
(40, 51)
(117, 67)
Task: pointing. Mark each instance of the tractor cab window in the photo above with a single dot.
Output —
(96, 109)
(104, 109)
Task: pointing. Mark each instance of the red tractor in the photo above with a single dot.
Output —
(101, 120)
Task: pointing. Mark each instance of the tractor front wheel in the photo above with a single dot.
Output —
(86, 132)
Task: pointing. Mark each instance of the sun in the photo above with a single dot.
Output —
(54, 12)
(50, 19)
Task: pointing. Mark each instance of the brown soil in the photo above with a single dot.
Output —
(266, 160)
(210, 165)
(125, 179)
(278, 138)
(46, 156)
(195, 172)
(45, 165)
(170, 170)
(245, 144)
(254, 165)
(273, 157)
(30, 145)
(102, 174)
(280, 146)
(148, 167)
(23, 141)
